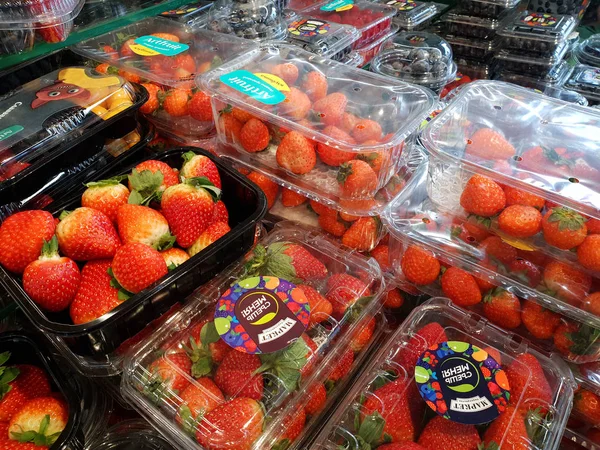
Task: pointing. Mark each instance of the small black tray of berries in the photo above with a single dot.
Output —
(472, 27)
(477, 49)
(95, 267)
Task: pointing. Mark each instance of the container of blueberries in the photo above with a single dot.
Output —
(472, 27)
(588, 51)
(476, 70)
(248, 19)
(525, 63)
(574, 8)
(554, 78)
(328, 39)
(585, 80)
(477, 49)
(417, 57)
(536, 33)
(413, 15)
(490, 9)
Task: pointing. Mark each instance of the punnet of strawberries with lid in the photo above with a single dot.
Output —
(504, 220)
(258, 354)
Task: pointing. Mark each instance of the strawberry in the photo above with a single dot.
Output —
(200, 166)
(420, 266)
(129, 76)
(110, 51)
(188, 207)
(366, 130)
(213, 233)
(566, 282)
(592, 303)
(381, 255)
(296, 153)
(539, 321)
(552, 160)
(241, 114)
(315, 85)
(166, 36)
(237, 375)
(136, 266)
(376, 160)
(231, 127)
(401, 446)
(125, 50)
(20, 383)
(199, 398)
(96, 296)
(149, 177)
(52, 281)
(498, 251)
(11, 168)
(105, 196)
(525, 271)
(349, 120)
(292, 426)
(168, 374)
(40, 421)
(142, 224)
(587, 405)
(430, 334)
(588, 252)
(357, 179)
(482, 196)
(330, 109)
(363, 234)
(22, 237)
(502, 308)
(290, 198)
(9, 444)
(392, 411)
(175, 102)
(288, 72)
(200, 107)
(593, 226)
(205, 348)
(343, 291)
(460, 287)
(269, 187)
(507, 430)
(321, 209)
(332, 224)
(296, 105)
(442, 433)
(174, 257)
(234, 425)
(342, 366)
(477, 232)
(254, 136)
(220, 213)
(564, 228)
(393, 299)
(317, 396)
(516, 196)
(520, 221)
(364, 336)
(487, 144)
(529, 388)
(320, 307)
(330, 155)
(153, 102)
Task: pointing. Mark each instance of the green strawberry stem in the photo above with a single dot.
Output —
(286, 364)
(123, 293)
(203, 182)
(7, 374)
(50, 248)
(567, 219)
(165, 242)
(187, 156)
(38, 437)
(145, 186)
(108, 182)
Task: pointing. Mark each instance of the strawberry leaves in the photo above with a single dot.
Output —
(7, 374)
(123, 293)
(38, 437)
(273, 262)
(286, 364)
(108, 182)
(199, 352)
(206, 184)
(145, 186)
(567, 219)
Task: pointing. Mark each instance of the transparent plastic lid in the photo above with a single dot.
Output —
(58, 106)
(193, 14)
(415, 40)
(163, 51)
(585, 80)
(447, 372)
(565, 95)
(257, 343)
(254, 19)
(513, 112)
(487, 46)
(374, 46)
(321, 37)
(412, 13)
(530, 25)
(352, 59)
(480, 22)
(588, 52)
(527, 58)
(37, 13)
(501, 3)
(556, 77)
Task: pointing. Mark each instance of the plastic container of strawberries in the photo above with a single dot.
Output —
(373, 20)
(171, 66)
(27, 349)
(369, 51)
(130, 434)
(370, 96)
(326, 349)
(96, 348)
(397, 399)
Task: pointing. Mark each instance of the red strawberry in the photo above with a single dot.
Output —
(442, 433)
(149, 179)
(142, 224)
(237, 377)
(153, 102)
(22, 236)
(95, 296)
(20, 383)
(200, 107)
(234, 425)
(420, 266)
(592, 303)
(381, 255)
(349, 120)
(290, 198)
(315, 85)
(200, 166)
(343, 291)
(330, 109)
(516, 196)
(254, 136)
(588, 252)
(331, 155)
(125, 50)
(320, 307)
(539, 321)
(105, 196)
(220, 213)
(342, 366)
(188, 207)
(169, 374)
(357, 179)
(11, 168)
(366, 130)
(40, 421)
(296, 105)
(394, 299)
(136, 266)
(502, 308)
(587, 405)
(288, 72)
(317, 396)
(482, 196)
(460, 287)
(231, 127)
(242, 115)
(529, 388)
(364, 336)
(332, 224)
(292, 426)
(363, 234)
(269, 187)
(496, 250)
(296, 153)
(175, 103)
(520, 221)
(52, 281)
(430, 334)
(287, 260)
(525, 271)
(566, 282)
(199, 398)
(214, 232)
(564, 228)
(508, 430)
(487, 144)
(174, 257)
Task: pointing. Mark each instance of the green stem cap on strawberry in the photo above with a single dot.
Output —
(200, 355)
(584, 340)
(50, 249)
(108, 182)
(7, 374)
(38, 437)
(123, 293)
(370, 431)
(203, 182)
(145, 186)
(286, 364)
(567, 219)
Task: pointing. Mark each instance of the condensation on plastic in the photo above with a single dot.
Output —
(341, 431)
(397, 106)
(369, 51)
(588, 51)
(332, 336)
(585, 80)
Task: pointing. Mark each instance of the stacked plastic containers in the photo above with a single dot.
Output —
(503, 221)
(585, 417)
(417, 57)
(194, 14)
(441, 376)
(413, 15)
(585, 80)
(263, 391)
(21, 22)
(167, 56)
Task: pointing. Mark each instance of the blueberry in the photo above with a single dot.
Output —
(420, 66)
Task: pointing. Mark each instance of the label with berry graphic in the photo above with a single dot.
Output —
(262, 314)
(187, 9)
(462, 382)
(152, 46)
(540, 20)
(265, 88)
(590, 76)
(402, 5)
(338, 5)
(309, 28)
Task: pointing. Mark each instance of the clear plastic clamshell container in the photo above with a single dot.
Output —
(586, 81)
(587, 399)
(441, 378)
(333, 132)
(588, 51)
(368, 52)
(259, 20)
(193, 14)
(210, 378)
(491, 9)
(167, 56)
(412, 15)
(352, 59)
(472, 27)
(565, 95)
(328, 39)
(372, 20)
(525, 63)
(130, 434)
(476, 70)
(556, 77)
(476, 49)
(536, 33)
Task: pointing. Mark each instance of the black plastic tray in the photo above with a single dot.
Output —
(131, 435)
(97, 339)
(25, 349)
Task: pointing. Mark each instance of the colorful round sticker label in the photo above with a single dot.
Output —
(462, 382)
(309, 28)
(540, 20)
(262, 314)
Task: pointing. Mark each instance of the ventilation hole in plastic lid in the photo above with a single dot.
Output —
(498, 107)
(357, 89)
(574, 180)
(517, 158)
(469, 141)
(470, 239)
(426, 220)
